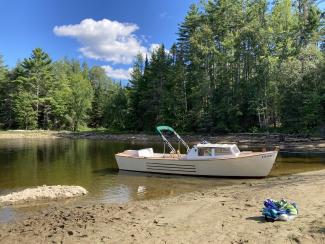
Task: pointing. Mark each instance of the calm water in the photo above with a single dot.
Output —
(91, 164)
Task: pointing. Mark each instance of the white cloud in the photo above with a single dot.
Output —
(119, 74)
(105, 40)
(110, 41)
(154, 47)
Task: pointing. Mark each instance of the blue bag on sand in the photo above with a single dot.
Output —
(279, 210)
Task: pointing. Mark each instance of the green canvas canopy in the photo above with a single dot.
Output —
(164, 127)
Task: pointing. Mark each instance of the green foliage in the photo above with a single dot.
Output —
(6, 87)
(25, 112)
(80, 100)
(61, 95)
(101, 85)
(34, 82)
(301, 91)
(136, 94)
(116, 110)
(237, 65)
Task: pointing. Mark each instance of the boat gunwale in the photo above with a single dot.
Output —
(251, 154)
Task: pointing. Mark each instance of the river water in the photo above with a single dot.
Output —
(91, 164)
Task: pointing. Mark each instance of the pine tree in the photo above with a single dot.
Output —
(36, 80)
(26, 115)
(5, 110)
(136, 90)
(101, 86)
(60, 96)
(116, 109)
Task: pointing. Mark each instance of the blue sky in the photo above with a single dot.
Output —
(100, 32)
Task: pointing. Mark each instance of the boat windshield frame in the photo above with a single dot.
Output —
(162, 128)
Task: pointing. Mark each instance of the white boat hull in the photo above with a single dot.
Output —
(246, 165)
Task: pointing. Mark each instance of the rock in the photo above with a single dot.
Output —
(43, 192)
(70, 233)
(248, 205)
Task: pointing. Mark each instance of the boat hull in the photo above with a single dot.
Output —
(257, 165)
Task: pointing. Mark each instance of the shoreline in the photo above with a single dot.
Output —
(228, 214)
(287, 143)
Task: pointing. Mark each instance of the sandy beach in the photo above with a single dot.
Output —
(229, 214)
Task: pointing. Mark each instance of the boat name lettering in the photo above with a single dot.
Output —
(267, 156)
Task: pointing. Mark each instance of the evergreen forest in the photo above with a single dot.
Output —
(236, 66)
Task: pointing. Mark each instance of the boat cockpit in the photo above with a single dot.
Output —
(209, 150)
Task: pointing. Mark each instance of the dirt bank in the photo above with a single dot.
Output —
(288, 143)
(228, 214)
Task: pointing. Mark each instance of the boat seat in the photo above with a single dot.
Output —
(147, 152)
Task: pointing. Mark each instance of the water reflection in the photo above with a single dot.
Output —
(91, 164)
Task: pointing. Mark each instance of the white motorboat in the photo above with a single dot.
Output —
(203, 159)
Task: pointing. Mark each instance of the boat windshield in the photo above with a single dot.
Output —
(205, 151)
(236, 150)
(223, 150)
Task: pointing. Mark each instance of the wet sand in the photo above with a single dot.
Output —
(229, 214)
